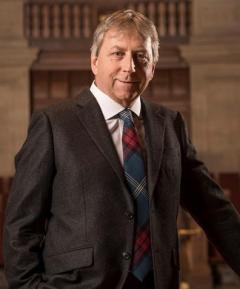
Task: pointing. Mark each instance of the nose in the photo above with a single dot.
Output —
(129, 64)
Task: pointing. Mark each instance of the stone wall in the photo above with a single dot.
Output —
(214, 59)
(15, 61)
(213, 55)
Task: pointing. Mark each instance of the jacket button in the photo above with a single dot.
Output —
(126, 256)
(129, 215)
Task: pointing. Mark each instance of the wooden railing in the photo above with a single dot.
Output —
(74, 20)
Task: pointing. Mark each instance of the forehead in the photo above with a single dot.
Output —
(126, 37)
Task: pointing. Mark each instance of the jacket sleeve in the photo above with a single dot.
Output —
(28, 207)
(205, 201)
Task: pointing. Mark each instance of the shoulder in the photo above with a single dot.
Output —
(166, 113)
(172, 120)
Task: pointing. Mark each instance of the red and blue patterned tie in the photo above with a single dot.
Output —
(136, 180)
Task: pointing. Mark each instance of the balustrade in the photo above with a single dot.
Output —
(171, 17)
(58, 20)
(62, 20)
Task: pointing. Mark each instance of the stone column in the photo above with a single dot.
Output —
(15, 62)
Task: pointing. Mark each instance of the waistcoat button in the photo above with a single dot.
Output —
(126, 255)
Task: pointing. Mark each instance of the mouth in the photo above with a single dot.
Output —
(128, 81)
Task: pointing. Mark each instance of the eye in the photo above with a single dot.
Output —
(117, 54)
(141, 57)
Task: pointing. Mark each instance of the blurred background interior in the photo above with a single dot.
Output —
(44, 59)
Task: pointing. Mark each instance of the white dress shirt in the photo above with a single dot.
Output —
(110, 110)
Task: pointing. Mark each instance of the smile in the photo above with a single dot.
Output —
(128, 82)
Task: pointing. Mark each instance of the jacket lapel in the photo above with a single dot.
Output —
(154, 124)
(90, 115)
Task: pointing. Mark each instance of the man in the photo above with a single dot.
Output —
(99, 180)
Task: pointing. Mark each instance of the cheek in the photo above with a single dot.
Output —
(149, 75)
(145, 76)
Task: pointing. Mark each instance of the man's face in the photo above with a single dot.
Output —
(124, 65)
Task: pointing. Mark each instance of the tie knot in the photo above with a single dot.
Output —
(126, 115)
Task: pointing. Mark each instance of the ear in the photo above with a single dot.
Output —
(153, 70)
(94, 64)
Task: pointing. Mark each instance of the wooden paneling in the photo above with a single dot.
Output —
(169, 87)
(51, 87)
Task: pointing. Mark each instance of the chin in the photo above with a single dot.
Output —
(129, 97)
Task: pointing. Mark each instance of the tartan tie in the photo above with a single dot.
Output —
(136, 180)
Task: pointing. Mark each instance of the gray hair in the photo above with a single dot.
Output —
(125, 19)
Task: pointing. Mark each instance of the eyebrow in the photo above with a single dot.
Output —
(140, 49)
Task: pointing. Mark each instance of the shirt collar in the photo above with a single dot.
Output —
(111, 108)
